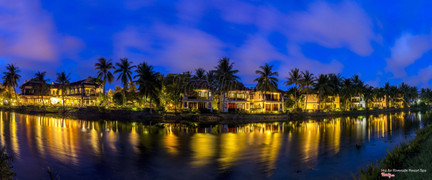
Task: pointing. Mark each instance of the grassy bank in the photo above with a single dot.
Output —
(412, 156)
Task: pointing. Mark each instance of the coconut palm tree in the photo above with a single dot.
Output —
(294, 78)
(200, 74)
(323, 87)
(11, 77)
(226, 77)
(149, 82)
(347, 91)
(307, 81)
(43, 88)
(267, 80)
(368, 95)
(63, 79)
(386, 89)
(103, 68)
(124, 71)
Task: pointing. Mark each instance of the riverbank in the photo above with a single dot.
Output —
(407, 161)
(144, 115)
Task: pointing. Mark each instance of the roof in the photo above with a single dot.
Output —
(198, 84)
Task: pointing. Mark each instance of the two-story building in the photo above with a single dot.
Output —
(79, 93)
(197, 95)
(313, 102)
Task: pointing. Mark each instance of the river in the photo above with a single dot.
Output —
(313, 149)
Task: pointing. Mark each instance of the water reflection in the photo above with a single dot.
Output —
(269, 149)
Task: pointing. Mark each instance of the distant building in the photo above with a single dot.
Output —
(314, 102)
(358, 101)
(197, 95)
(79, 93)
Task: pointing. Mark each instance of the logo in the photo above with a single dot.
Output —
(389, 175)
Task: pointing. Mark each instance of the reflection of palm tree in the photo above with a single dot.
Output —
(124, 69)
(43, 89)
(148, 81)
(294, 78)
(63, 79)
(226, 76)
(306, 83)
(103, 67)
(11, 77)
(267, 80)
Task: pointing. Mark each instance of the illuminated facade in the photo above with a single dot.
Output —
(197, 95)
(358, 101)
(79, 93)
(313, 102)
(242, 99)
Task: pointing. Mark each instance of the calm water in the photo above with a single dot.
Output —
(78, 149)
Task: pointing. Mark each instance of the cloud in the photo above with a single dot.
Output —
(406, 50)
(28, 34)
(423, 77)
(176, 48)
(333, 26)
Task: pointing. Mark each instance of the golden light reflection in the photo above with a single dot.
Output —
(171, 141)
(14, 136)
(203, 147)
(232, 146)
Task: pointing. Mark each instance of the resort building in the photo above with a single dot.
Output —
(238, 99)
(268, 101)
(79, 93)
(379, 103)
(314, 103)
(197, 95)
(358, 101)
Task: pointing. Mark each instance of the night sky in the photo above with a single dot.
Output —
(379, 40)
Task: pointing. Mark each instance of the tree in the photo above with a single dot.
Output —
(226, 77)
(294, 78)
(103, 68)
(124, 71)
(368, 95)
(386, 89)
(323, 88)
(267, 80)
(11, 78)
(336, 84)
(307, 81)
(43, 88)
(347, 91)
(148, 81)
(63, 80)
(200, 74)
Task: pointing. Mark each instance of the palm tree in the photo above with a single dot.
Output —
(404, 89)
(103, 68)
(368, 94)
(294, 78)
(336, 84)
(226, 76)
(63, 79)
(307, 81)
(267, 80)
(323, 88)
(43, 86)
(11, 77)
(386, 89)
(200, 74)
(148, 81)
(347, 91)
(124, 69)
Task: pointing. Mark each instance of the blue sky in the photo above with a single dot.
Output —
(383, 41)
